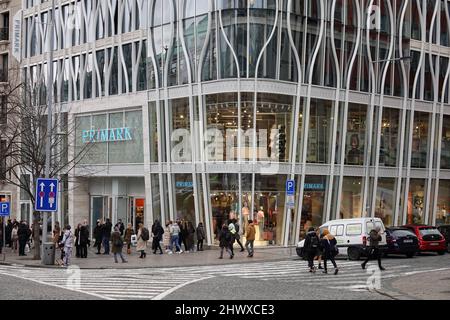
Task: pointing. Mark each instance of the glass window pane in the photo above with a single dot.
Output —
(443, 203)
(384, 205)
(356, 133)
(351, 198)
(420, 140)
(416, 201)
(389, 137)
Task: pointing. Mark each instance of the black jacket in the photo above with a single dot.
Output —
(308, 246)
(107, 228)
(157, 231)
(328, 247)
(225, 238)
(23, 232)
(98, 232)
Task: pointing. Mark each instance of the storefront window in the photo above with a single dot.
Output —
(389, 137)
(184, 197)
(313, 203)
(416, 201)
(351, 200)
(320, 125)
(273, 125)
(356, 134)
(443, 203)
(180, 134)
(224, 193)
(222, 125)
(420, 140)
(269, 208)
(384, 205)
(445, 147)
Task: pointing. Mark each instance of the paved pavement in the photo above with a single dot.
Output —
(264, 280)
(206, 257)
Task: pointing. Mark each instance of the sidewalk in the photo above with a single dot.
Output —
(206, 257)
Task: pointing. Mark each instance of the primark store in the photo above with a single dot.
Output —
(201, 110)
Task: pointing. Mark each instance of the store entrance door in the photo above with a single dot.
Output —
(137, 212)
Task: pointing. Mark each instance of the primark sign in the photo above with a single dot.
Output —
(107, 135)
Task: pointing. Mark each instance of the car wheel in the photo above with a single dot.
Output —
(353, 254)
(410, 255)
(441, 253)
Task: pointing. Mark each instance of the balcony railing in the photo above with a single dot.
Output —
(4, 34)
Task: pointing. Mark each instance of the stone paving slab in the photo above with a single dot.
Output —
(206, 257)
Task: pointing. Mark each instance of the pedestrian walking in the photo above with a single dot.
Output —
(250, 238)
(14, 238)
(226, 241)
(117, 245)
(235, 233)
(23, 234)
(98, 236)
(157, 231)
(175, 237)
(190, 236)
(200, 236)
(142, 238)
(329, 250)
(106, 235)
(374, 251)
(78, 240)
(310, 247)
(319, 250)
(8, 230)
(184, 234)
(166, 237)
(128, 233)
(67, 241)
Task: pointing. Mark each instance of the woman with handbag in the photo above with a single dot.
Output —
(329, 250)
(128, 233)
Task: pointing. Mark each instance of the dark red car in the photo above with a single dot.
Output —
(430, 239)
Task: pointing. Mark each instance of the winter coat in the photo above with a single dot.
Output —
(8, 231)
(128, 234)
(14, 235)
(141, 244)
(158, 232)
(68, 239)
(98, 233)
(251, 233)
(56, 234)
(200, 232)
(374, 239)
(175, 230)
(225, 238)
(23, 232)
(107, 230)
(115, 237)
(308, 242)
(328, 243)
(166, 237)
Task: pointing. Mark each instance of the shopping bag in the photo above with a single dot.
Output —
(134, 240)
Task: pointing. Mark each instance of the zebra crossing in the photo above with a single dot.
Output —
(156, 283)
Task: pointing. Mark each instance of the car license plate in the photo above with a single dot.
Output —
(407, 241)
(434, 244)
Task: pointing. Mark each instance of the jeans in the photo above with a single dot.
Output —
(175, 239)
(200, 245)
(228, 250)
(311, 256)
(249, 246)
(83, 251)
(106, 245)
(121, 256)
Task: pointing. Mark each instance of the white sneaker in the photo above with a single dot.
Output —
(179, 252)
(170, 252)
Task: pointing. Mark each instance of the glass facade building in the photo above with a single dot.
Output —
(226, 100)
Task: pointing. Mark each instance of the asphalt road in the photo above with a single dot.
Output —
(422, 277)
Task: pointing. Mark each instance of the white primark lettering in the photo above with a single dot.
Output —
(127, 134)
(186, 310)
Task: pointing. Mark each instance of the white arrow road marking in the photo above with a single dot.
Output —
(42, 185)
(166, 293)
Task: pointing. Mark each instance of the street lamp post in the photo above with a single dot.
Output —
(369, 151)
(49, 112)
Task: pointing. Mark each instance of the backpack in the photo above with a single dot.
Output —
(145, 234)
(118, 242)
(314, 242)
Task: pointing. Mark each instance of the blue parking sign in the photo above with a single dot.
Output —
(290, 187)
(5, 209)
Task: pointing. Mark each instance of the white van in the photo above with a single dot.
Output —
(351, 235)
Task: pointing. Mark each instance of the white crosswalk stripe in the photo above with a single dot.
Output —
(155, 283)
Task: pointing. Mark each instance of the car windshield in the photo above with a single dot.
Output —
(426, 231)
(402, 233)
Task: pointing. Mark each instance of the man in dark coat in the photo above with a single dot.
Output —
(8, 230)
(23, 234)
(98, 236)
(226, 241)
(107, 228)
(310, 247)
(158, 232)
(84, 238)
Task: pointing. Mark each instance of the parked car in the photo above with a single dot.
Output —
(445, 231)
(351, 236)
(401, 241)
(430, 239)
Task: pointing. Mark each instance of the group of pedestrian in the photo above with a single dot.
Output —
(229, 234)
(82, 239)
(17, 236)
(323, 246)
(102, 235)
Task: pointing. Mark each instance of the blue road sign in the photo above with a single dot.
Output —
(46, 195)
(290, 187)
(5, 209)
